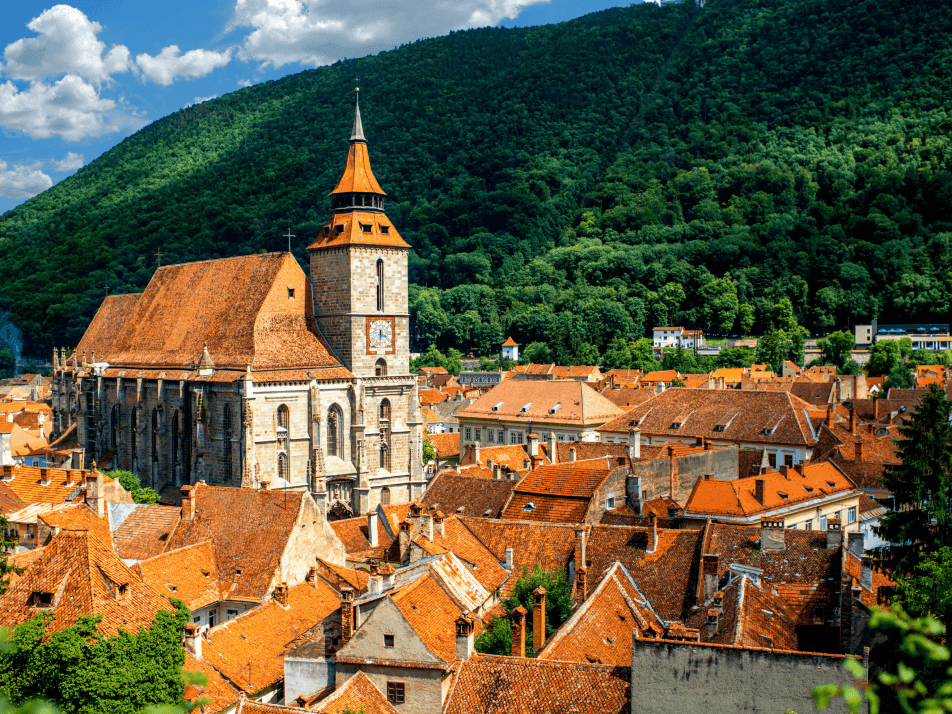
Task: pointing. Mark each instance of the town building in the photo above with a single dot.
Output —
(510, 350)
(241, 370)
(677, 337)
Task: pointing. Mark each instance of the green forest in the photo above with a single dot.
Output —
(566, 184)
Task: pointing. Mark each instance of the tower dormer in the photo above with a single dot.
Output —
(359, 272)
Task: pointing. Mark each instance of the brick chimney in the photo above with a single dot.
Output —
(853, 420)
(634, 444)
(572, 454)
(581, 582)
(538, 618)
(439, 526)
(188, 504)
(311, 576)
(281, 594)
(519, 631)
(759, 484)
(372, 529)
(533, 445)
(709, 567)
(426, 527)
(95, 492)
(830, 416)
(509, 559)
(581, 541)
(834, 533)
(553, 450)
(464, 636)
(876, 409)
(193, 640)
(387, 573)
(653, 532)
(858, 449)
(346, 614)
(771, 536)
(264, 485)
(405, 527)
(497, 472)
(713, 615)
(476, 453)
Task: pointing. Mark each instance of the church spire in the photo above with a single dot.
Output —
(358, 133)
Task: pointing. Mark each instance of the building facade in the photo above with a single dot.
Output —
(242, 371)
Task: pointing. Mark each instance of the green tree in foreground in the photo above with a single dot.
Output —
(927, 590)
(131, 483)
(82, 672)
(497, 637)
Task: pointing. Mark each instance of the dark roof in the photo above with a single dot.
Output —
(475, 496)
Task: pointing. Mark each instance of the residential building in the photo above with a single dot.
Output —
(510, 350)
(667, 336)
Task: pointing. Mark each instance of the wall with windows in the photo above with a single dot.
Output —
(218, 612)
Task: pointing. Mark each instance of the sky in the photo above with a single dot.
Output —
(77, 79)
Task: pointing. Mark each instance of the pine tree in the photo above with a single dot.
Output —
(921, 484)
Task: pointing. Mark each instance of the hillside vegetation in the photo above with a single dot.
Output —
(569, 184)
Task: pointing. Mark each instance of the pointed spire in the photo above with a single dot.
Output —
(358, 133)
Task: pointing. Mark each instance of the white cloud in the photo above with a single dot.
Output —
(199, 100)
(244, 82)
(72, 162)
(70, 108)
(66, 44)
(312, 34)
(22, 181)
(169, 64)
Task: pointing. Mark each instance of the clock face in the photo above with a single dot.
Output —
(380, 334)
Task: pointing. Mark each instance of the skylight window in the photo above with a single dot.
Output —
(497, 407)
(554, 409)
(530, 506)
(526, 408)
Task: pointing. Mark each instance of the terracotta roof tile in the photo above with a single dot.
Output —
(446, 445)
(358, 228)
(28, 484)
(468, 496)
(84, 577)
(352, 532)
(107, 324)
(487, 684)
(577, 404)
(357, 694)
(145, 531)
(217, 692)
(627, 397)
(79, 517)
(463, 543)
(555, 493)
(189, 574)
(432, 614)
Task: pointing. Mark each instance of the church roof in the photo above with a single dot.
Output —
(361, 228)
(252, 309)
(358, 177)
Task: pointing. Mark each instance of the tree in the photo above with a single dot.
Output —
(7, 363)
(899, 377)
(536, 353)
(431, 358)
(771, 348)
(921, 484)
(884, 357)
(6, 546)
(836, 348)
(497, 637)
(131, 483)
(618, 355)
(84, 672)
(642, 356)
(429, 453)
(927, 590)
(454, 361)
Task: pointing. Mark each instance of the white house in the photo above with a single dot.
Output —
(510, 350)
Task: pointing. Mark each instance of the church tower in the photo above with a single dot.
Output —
(359, 273)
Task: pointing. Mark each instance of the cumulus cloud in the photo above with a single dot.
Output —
(169, 64)
(22, 181)
(69, 108)
(66, 44)
(244, 82)
(312, 33)
(199, 100)
(72, 162)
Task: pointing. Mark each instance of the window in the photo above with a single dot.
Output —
(788, 459)
(226, 428)
(385, 230)
(561, 437)
(327, 230)
(772, 460)
(388, 640)
(837, 515)
(385, 410)
(384, 457)
(135, 434)
(366, 228)
(338, 229)
(211, 618)
(41, 600)
(396, 692)
(380, 285)
(290, 293)
(822, 523)
(155, 434)
(479, 435)
(520, 437)
(283, 466)
(610, 501)
(851, 515)
(469, 434)
(114, 427)
(385, 496)
(284, 442)
(491, 433)
(380, 368)
(334, 422)
(808, 525)
(502, 440)
(230, 614)
(512, 437)
(197, 619)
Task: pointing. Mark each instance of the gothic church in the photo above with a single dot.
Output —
(241, 371)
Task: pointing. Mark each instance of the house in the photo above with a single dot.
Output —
(19, 446)
(577, 492)
(804, 497)
(666, 336)
(509, 412)
(659, 380)
(454, 493)
(510, 350)
(773, 421)
(482, 381)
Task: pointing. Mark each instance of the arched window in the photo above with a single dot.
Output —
(175, 447)
(380, 285)
(155, 434)
(114, 427)
(385, 457)
(380, 368)
(385, 410)
(284, 440)
(335, 422)
(385, 496)
(227, 434)
(283, 466)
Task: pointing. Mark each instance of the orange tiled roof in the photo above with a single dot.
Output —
(432, 614)
(781, 490)
(145, 531)
(217, 692)
(27, 484)
(487, 684)
(108, 323)
(667, 375)
(357, 694)
(463, 543)
(352, 532)
(510, 342)
(358, 176)
(187, 305)
(557, 493)
(458, 493)
(576, 403)
(512, 456)
(430, 396)
(358, 228)
(870, 594)
(84, 577)
(22, 442)
(446, 445)
(189, 574)
(261, 636)
(79, 517)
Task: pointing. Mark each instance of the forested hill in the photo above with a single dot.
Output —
(567, 183)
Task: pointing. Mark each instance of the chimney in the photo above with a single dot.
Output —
(829, 416)
(97, 496)
(581, 582)
(464, 636)
(509, 559)
(311, 576)
(497, 472)
(372, 529)
(866, 572)
(374, 584)
(581, 538)
(798, 468)
(834, 533)
(405, 528)
(759, 490)
(281, 594)
(709, 566)
(553, 450)
(713, 615)
(519, 631)
(653, 525)
(438, 526)
(490, 464)
(538, 618)
(853, 420)
(346, 614)
(533, 445)
(771, 536)
(476, 453)
(427, 527)
(572, 454)
(188, 504)
(859, 450)
(875, 409)
(193, 640)
(265, 485)
(387, 573)
(634, 444)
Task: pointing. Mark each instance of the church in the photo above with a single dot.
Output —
(242, 372)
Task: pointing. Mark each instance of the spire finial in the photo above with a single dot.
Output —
(358, 133)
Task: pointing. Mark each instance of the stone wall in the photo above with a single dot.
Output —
(701, 679)
(674, 477)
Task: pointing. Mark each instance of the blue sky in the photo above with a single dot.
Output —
(76, 79)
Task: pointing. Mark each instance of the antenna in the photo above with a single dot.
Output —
(159, 255)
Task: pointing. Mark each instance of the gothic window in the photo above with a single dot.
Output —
(284, 440)
(380, 285)
(384, 457)
(155, 434)
(226, 428)
(283, 466)
(385, 411)
(335, 442)
(385, 496)
(134, 436)
(380, 368)
(175, 444)
(114, 427)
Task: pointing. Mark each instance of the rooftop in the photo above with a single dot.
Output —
(554, 402)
